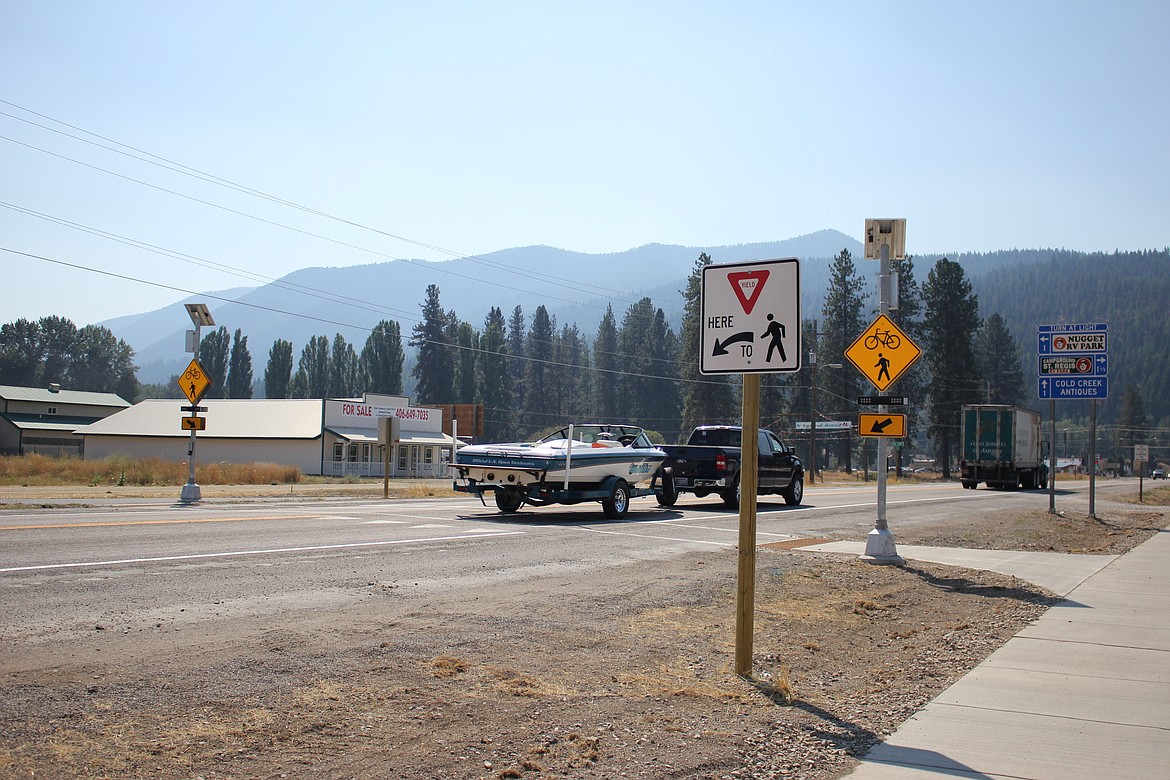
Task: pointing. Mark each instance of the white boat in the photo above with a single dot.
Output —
(575, 463)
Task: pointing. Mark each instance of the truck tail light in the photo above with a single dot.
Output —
(721, 462)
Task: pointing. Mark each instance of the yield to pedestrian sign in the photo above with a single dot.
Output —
(883, 352)
(750, 318)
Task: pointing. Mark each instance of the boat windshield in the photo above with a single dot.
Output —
(621, 435)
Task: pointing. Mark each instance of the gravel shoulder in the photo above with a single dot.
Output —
(630, 677)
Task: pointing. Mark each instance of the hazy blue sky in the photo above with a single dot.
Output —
(435, 129)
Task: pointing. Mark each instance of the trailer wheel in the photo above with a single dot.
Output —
(618, 502)
(968, 485)
(669, 492)
(731, 495)
(508, 500)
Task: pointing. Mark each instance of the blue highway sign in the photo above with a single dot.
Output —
(1073, 361)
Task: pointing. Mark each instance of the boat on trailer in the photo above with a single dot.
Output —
(580, 462)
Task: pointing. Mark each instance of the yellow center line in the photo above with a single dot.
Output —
(46, 526)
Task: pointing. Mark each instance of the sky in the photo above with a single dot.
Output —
(150, 150)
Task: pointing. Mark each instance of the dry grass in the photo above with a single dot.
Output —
(38, 470)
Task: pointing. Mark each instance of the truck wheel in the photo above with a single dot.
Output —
(731, 495)
(794, 493)
(618, 502)
(669, 492)
(968, 485)
(508, 500)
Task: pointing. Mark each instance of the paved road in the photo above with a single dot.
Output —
(65, 570)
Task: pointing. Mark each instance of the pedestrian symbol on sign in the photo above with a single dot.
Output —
(776, 332)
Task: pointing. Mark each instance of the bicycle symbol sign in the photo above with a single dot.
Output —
(883, 352)
(194, 381)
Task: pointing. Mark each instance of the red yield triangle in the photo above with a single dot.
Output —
(748, 285)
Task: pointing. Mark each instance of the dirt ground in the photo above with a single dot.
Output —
(626, 678)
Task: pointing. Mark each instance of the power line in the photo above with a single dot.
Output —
(153, 159)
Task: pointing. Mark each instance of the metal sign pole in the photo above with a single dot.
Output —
(879, 544)
(1052, 457)
(1093, 462)
(191, 492)
(746, 575)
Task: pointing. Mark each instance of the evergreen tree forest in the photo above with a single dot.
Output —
(532, 372)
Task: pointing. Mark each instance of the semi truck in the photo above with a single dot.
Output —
(1002, 447)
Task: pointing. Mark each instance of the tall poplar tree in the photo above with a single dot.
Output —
(382, 359)
(213, 356)
(239, 378)
(343, 369)
(278, 372)
(313, 369)
(949, 327)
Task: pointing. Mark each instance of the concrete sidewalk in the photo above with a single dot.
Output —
(1084, 692)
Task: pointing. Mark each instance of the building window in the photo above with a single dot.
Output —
(429, 455)
(365, 453)
(402, 458)
(353, 450)
(51, 410)
(338, 451)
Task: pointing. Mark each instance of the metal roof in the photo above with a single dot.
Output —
(47, 422)
(227, 418)
(44, 395)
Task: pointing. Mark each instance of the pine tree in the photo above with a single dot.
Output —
(842, 323)
(997, 360)
(949, 327)
(491, 384)
(539, 403)
(606, 377)
(434, 372)
(705, 399)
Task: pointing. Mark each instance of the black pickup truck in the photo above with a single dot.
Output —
(709, 463)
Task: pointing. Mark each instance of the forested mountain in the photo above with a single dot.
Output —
(1128, 290)
(574, 287)
(632, 358)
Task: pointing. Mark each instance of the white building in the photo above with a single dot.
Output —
(332, 437)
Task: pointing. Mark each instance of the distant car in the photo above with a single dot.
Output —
(1158, 474)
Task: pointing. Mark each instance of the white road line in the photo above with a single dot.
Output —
(239, 553)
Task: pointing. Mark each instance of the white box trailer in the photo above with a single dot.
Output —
(1002, 447)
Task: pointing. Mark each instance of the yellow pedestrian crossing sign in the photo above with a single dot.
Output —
(194, 381)
(883, 352)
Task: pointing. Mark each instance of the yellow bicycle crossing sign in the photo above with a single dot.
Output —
(194, 381)
(883, 352)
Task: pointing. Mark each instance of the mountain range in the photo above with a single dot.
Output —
(573, 286)
(1026, 287)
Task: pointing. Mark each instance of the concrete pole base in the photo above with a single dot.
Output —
(880, 548)
(191, 493)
